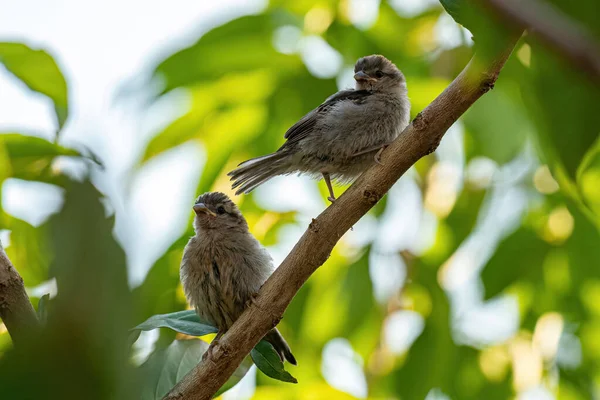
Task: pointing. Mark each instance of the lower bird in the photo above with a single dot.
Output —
(343, 136)
(224, 266)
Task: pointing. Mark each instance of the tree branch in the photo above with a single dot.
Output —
(565, 36)
(420, 138)
(16, 310)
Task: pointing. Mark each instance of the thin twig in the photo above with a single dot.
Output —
(420, 138)
(555, 29)
(16, 310)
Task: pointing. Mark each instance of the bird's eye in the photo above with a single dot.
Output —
(220, 210)
(379, 74)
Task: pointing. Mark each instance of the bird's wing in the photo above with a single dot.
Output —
(302, 128)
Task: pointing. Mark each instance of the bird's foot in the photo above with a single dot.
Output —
(327, 178)
(378, 154)
(251, 300)
(208, 354)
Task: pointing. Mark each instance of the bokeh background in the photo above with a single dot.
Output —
(477, 276)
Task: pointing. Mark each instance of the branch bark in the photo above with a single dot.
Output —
(16, 310)
(565, 36)
(420, 138)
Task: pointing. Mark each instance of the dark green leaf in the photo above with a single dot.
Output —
(498, 125)
(359, 290)
(38, 70)
(426, 365)
(456, 9)
(267, 360)
(42, 309)
(157, 294)
(187, 322)
(519, 256)
(82, 351)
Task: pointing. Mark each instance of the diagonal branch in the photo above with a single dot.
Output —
(16, 310)
(420, 138)
(565, 36)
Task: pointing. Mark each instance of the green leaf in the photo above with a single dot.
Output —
(519, 256)
(82, 351)
(249, 46)
(157, 294)
(31, 157)
(38, 70)
(165, 367)
(456, 9)
(42, 310)
(267, 360)
(357, 280)
(426, 365)
(187, 322)
(566, 117)
(22, 146)
(498, 125)
(30, 251)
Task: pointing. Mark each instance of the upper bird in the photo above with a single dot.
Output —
(223, 267)
(343, 136)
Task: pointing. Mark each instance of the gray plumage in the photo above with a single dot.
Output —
(340, 138)
(224, 266)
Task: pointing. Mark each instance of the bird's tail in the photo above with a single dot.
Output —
(280, 345)
(256, 171)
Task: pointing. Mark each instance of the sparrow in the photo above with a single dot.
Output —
(343, 136)
(224, 266)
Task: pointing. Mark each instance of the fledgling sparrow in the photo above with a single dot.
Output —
(343, 136)
(223, 267)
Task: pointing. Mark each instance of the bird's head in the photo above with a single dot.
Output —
(214, 210)
(379, 74)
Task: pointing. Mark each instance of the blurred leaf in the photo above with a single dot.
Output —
(582, 248)
(588, 180)
(519, 256)
(459, 224)
(82, 352)
(267, 360)
(358, 287)
(566, 117)
(498, 125)
(158, 293)
(165, 367)
(570, 107)
(30, 251)
(434, 350)
(187, 322)
(38, 70)
(249, 47)
(93, 296)
(31, 157)
(22, 146)
(42, 309)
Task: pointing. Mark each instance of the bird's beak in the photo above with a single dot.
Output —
(361, 76)
(201, 208)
